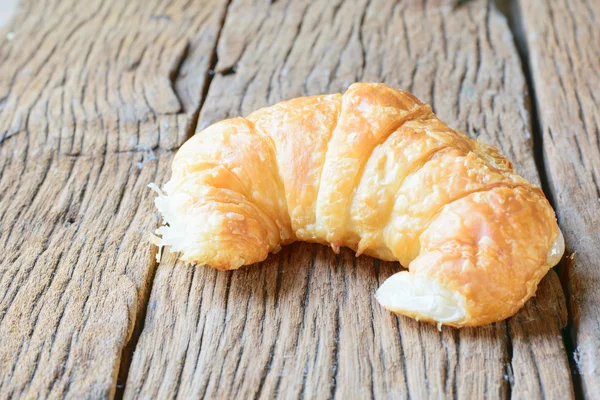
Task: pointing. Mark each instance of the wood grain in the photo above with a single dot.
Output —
(93, 96)
(304, 323)
(563, 41)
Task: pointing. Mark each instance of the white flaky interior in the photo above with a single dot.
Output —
(176, 238)
(556, 252)
(179, 231)
(422, 297)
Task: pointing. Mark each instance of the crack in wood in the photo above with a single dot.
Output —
(513, 14)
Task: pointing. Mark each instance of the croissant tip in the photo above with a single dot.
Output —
(361, 248)
(335, 248)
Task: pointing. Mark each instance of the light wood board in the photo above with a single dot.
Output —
(94, 95)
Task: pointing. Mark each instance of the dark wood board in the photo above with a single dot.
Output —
(563, 43)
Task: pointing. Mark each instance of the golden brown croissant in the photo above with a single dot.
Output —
(374, 170)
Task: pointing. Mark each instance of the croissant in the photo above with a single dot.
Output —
(374, 170)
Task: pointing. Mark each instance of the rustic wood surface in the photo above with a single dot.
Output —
(563, 40)
(96, 96)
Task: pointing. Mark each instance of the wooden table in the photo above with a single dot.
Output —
(96, 96)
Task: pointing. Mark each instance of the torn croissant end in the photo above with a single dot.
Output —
(427, 300)
(374, 170)
(422, 298)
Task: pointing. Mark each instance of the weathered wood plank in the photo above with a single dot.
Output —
(304, 323)
(563, 41)
(93, 94)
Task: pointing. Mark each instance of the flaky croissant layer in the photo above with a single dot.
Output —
(375, 170)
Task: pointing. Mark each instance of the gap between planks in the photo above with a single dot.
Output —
(512, 12)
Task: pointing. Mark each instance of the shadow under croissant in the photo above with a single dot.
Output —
(305, 278)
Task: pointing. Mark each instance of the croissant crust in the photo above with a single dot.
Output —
(374, 170)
